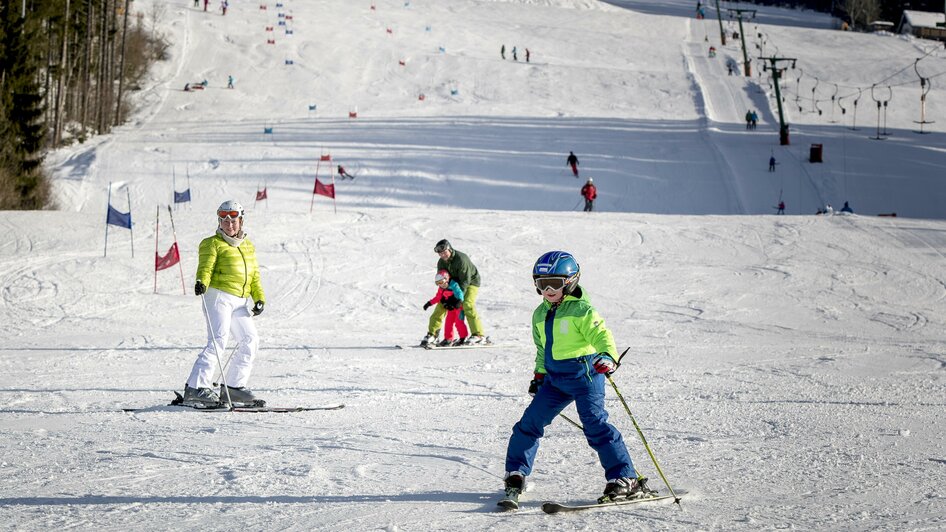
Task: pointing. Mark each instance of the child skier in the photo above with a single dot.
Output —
(573, 354)
(450, 296)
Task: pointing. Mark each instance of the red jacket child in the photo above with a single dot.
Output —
(450, 296)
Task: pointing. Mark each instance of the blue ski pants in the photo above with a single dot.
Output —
(557, 392)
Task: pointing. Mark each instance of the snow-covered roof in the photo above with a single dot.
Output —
(923, 19)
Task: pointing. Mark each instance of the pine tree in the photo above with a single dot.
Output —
(22, 129)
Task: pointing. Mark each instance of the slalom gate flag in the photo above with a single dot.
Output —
(261, 195)
(121, 219)
(182, 197)
(165, 262)
(323, 189)
(326, 157)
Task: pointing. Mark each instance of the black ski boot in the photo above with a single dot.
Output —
(515, 485)
(626, 488)
(241, 397)
(429, 340)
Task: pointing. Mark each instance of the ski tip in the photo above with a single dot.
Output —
(551, 507)
(507, 505)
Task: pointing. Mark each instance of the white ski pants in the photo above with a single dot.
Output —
(227, 314)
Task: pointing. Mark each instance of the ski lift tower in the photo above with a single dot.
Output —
(938, 24)
(742, 37)
(719, 17)
(776, 74)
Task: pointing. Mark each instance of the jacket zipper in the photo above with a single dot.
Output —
(246, 277)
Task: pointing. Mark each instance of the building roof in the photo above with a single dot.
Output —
(923, 19)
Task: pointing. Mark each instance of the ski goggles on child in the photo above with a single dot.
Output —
(228, 215)
(550, 284)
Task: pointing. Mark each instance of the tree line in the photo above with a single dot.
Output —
(66, 68)
(859, 14)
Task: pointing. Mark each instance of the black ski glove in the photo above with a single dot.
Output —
(199, 288)
(258, 308)
(427, 305)
(537, 380)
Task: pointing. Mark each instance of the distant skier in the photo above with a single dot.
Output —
(342, 173)
(223, 6)
(515, 56)
(589, 192)
(502, 52)
(227, 277)
(528, 55)
(229, 82)
(573, 354)
(450, 296)
(754, 119)
(781, 208)
(748, 120)
(772, 163)
(206, 3)
(847, 208)
(573, 162)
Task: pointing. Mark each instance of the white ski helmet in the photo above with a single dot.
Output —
(590, 180)
(231, 209)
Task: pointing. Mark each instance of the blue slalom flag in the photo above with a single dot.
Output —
(121, 219)
(182, 197)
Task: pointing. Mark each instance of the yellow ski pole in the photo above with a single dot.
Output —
(640, 433)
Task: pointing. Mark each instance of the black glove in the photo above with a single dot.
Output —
(199, 288)
(537, 381)
(427, 305)
(450, 303)
(258, 308)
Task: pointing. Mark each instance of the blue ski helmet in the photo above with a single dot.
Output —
(558, 264)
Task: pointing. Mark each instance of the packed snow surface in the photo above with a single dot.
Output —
(788, 372)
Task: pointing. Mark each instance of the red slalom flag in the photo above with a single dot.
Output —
(165, 262)
(323, 189)
(261, 194)
(326, 157)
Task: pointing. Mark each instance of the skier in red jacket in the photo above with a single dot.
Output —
(590, 193)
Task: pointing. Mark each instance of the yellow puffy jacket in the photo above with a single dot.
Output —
(233, 270)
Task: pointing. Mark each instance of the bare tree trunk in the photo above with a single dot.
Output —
(110, 85)
(862, 12)
(86, 68)
(61, 80)
(121, 69)
(49, 68)
(103, 103)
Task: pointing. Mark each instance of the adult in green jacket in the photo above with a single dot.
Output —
(461, 270)
(227, 278)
